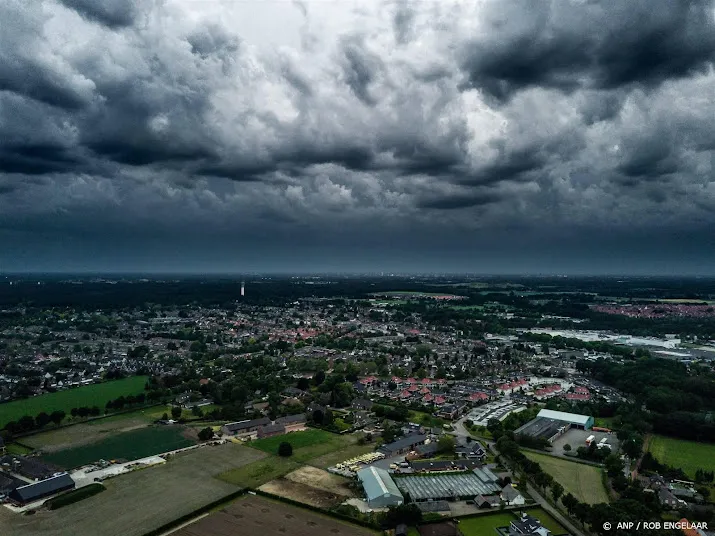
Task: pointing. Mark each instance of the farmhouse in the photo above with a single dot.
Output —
(39, 490)
(380, 489)
(292, 423)
(511, 496)
(244, 427)
(402, 445)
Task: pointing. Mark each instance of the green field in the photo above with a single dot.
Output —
(307, 445)
(686, 455)
(604, 422)
(487, 524)
(546, 520)
(89, 395)
(583, 481)
(132, 445)
(258, 473)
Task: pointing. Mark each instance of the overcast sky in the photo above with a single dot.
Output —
(504, 136)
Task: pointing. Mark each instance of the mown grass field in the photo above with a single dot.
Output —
(686, 455)
(138, 502)
(132, 445)
(259, 472)
(487, 524)
(583, 481)
(89, 395)
(307, 445)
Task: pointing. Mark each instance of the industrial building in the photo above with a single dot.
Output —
(44, 488)
(380, 490)
(581, 422)
(449, 486)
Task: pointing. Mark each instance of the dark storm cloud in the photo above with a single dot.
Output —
(196, 120)
(564, 44)
(456, 201)
(360, 68)
(111, 13)
(37, 159)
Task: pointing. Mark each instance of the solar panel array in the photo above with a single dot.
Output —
(445, 486)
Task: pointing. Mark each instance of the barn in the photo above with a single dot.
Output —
(380, 489)
(582, 422)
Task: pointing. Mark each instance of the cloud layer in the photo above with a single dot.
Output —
(408, 131)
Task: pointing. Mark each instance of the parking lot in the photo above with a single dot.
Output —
(577, 438)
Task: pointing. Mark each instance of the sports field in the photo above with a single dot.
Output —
(582, 481)
(686, 455)
(89, 395)
(132, 445)
(138, 502)
(307, 445)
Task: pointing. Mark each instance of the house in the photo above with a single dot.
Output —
(527, 525)
(666, 498)
(362, 404)
(487, 501)
(403, 445)
(246, 427)
(271, 430)
(511, 496)
(44, 488)
(292, 423)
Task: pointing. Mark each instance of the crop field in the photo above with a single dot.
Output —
(257, 516)
(259, 472)
(582, 481)
(307, 445)
(686, 455)
(133, 445)
(138, 502)
(312, 486)
(89, 395)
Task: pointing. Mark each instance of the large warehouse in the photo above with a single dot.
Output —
(380, 489)
(582, 422)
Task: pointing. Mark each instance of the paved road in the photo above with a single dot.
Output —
(553, 511)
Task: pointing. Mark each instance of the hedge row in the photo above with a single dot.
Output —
(191, 515)
(74, 496)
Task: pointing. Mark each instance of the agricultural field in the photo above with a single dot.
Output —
(254, 475)
(132, 445)
(138, 502)
(312, 486)
(686, 455)
(86, 432)
(307, 445)
(582, 481)
(89, 395)
(345, 453)
(257, 516)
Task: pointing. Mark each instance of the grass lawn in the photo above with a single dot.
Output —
(546, 520)
(14, 448)
(485, 525)
(583, 481)
(420, 417)
(337, 456)
(686, 455)
(307, 445)
(603, 422)
(89, 395)
(258, 473)
(128, 445)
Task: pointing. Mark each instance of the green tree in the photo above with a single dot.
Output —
(285, 449)
(176, 413)
(206, 433)
(556, 491)
(445, 445)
